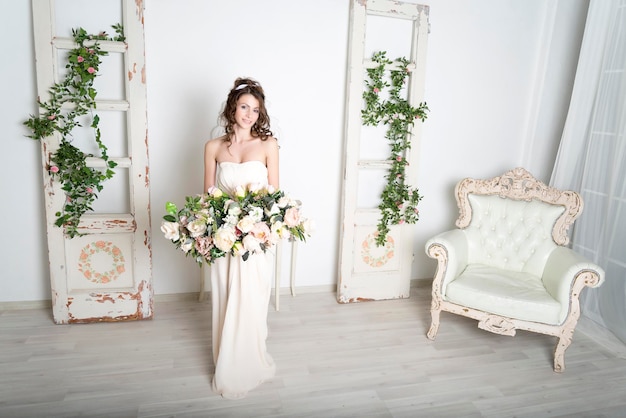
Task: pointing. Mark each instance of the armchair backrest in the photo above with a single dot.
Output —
(514, 221)
(511, 234)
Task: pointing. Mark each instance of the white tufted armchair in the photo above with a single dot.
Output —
(507, 265)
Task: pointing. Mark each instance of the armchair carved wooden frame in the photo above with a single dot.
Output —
(507, 264)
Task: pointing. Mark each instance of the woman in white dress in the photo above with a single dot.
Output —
(240, 290)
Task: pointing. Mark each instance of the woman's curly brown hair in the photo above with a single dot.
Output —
(261, 128)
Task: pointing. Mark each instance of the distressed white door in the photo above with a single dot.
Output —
(105, 274)
(366, 271)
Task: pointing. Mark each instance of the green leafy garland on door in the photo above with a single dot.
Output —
(71, 99)
(398, 200)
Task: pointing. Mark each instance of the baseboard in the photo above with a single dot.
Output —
(286, 290)
(189, 296)
(28, 304)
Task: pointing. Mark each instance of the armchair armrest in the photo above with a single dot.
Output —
(450, 248)
(567, 272)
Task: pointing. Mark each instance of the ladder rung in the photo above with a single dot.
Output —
(119, 105)
(96, 162)
(109, 46)
(107, 223)
(374, 164)
(398, 10)
(368, 63)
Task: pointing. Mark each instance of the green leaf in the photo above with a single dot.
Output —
(171, 208)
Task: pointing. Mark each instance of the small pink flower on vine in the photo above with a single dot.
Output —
(52, 117)
(401, 221)
(89, 190)
(91, 70)
(376, 90)
(80, 59)
(54, 169)
(398, 158)
(417, 210)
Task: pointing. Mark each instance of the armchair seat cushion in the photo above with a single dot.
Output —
(511, 294)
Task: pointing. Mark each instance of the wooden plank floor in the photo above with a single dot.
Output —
(368, 359)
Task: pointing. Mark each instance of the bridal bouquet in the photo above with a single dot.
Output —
(214, 224)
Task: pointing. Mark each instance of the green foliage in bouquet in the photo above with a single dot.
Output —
(214, 224)
(398, 200)
(71, 99)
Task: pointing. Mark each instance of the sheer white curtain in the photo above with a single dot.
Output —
(592, 159)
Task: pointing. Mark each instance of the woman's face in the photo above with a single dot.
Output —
(247, 111)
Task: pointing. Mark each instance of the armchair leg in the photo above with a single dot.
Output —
(559, 356)
(559, 353)
(434, 324)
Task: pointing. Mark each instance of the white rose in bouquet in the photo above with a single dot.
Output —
(215, 192)
(278, 231)
(240, 192)
(225, 238)
(187, 246)
(234, 209)
(252, 244)
(237, 248)
(283, 202)
(256, 213)
(171, 230)
(196, 228)
(308, 226)
(245, 224)
(256, 188)
(273, 210)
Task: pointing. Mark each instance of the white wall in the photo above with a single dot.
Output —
(498, 80)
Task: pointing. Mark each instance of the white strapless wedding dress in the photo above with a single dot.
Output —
(240, 292)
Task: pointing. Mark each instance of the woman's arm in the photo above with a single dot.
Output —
(271, 161)
(210, 163)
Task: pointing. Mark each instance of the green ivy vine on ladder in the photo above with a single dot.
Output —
(398, 200)
(71, 99)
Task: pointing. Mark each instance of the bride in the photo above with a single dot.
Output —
(240, 290)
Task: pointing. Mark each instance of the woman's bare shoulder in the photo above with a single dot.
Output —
(214, 143)
(271, 142)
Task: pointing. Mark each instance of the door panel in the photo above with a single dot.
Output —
(366, 271)
(105, 274)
